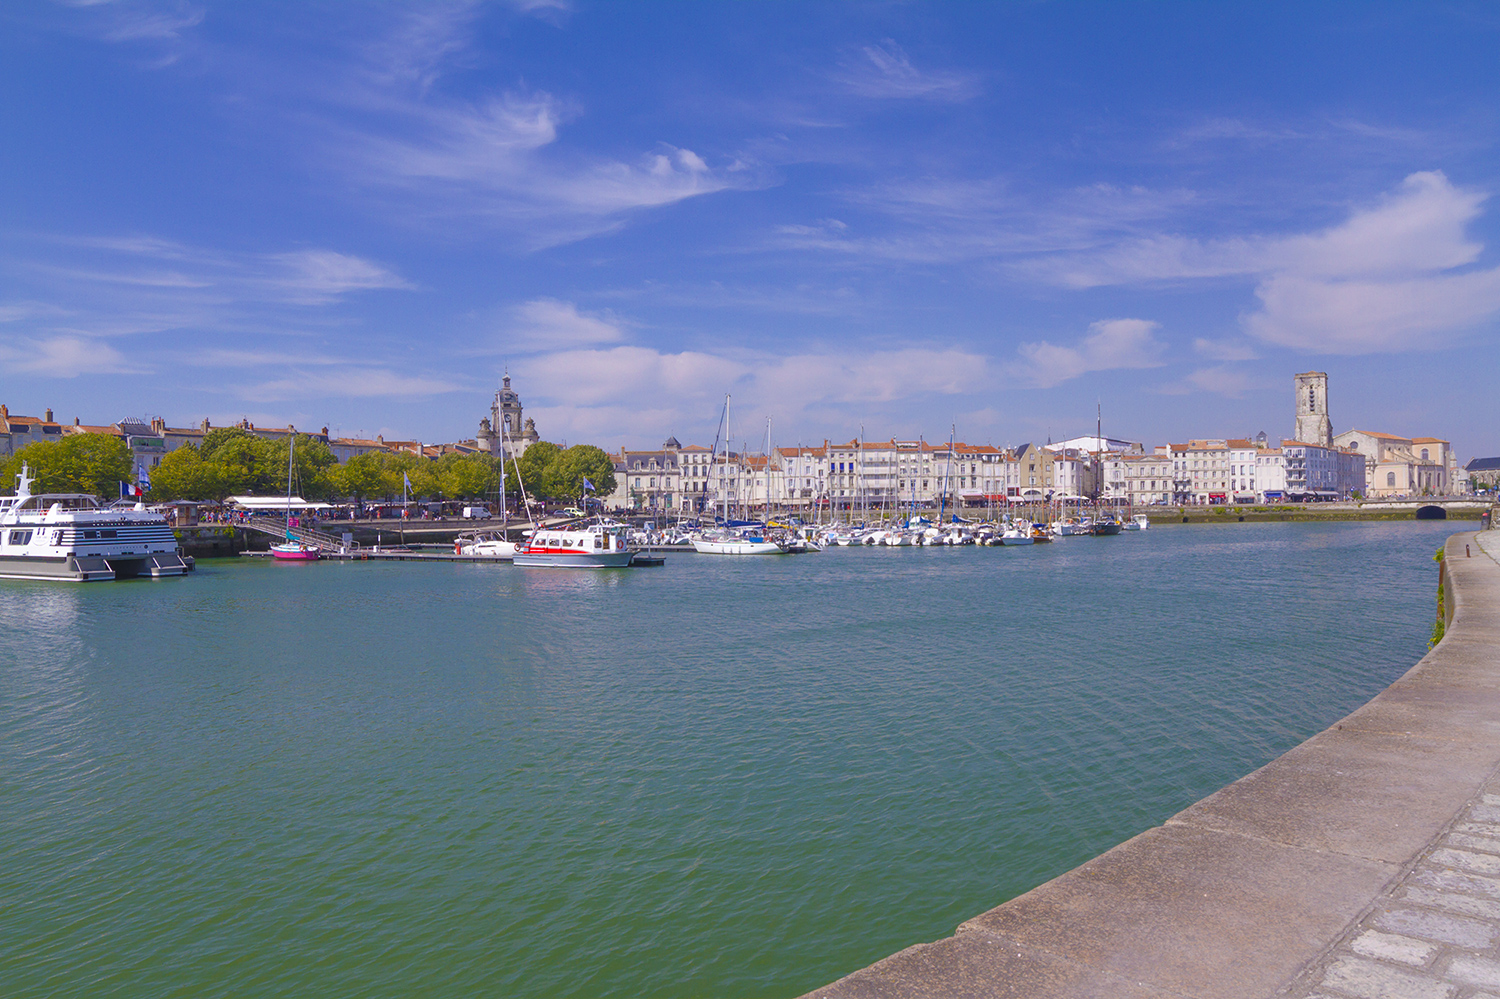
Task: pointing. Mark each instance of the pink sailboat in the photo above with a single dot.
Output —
(293, 549)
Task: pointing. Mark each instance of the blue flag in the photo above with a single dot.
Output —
(588, 485)
(142, 478)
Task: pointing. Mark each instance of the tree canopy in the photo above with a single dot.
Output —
(76, 463)
(232, 461)
(549, 472)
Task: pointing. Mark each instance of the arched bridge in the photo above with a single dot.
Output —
(1434, 507)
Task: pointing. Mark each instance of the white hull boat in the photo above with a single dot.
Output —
(593, 547)
(737, 546)
(70, 537)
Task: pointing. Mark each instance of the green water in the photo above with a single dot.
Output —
(725, 777)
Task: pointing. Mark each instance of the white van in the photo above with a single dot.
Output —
(476, 513)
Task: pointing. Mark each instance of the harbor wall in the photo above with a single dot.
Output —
(1245, 893)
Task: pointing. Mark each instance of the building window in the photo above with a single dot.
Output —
(1390, 478)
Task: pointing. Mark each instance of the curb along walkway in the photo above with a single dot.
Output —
(1362, 864)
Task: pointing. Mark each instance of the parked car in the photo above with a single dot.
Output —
(571, 511)
(476, 513)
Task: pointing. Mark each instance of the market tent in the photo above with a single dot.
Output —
(257, 504)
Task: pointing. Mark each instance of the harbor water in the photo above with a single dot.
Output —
(725, 777)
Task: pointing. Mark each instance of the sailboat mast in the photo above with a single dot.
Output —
(291, 457)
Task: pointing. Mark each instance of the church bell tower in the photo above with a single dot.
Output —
(1313, 426)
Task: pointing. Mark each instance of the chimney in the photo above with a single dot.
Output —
(75, 421)
(325, 431)
(47, 416)
(158, 425)
(205, 424)
(380, 439)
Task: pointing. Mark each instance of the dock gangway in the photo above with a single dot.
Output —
(279, 530)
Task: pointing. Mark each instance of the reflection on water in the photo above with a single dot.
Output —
(727, 777)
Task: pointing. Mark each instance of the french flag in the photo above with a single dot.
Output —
(128, 490)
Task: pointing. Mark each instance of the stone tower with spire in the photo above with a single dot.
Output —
(1313, 426)
(504, 426)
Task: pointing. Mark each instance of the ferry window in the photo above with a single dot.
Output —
(20, 537)
(598, 543)
(108, 534)
(90, 535)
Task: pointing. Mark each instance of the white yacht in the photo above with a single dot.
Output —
(70, 537)
(736, 543)
(593, 547)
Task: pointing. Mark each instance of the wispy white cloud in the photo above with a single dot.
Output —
(318, 276)
(1225, 350)
(1232, 383)
(65, 357)
(944, 219)
(498, 160)
(1112, 344)
(1391, 277)
(353, 382)
(191, 278)
(550, 324)
(621, 391)
(884, 70)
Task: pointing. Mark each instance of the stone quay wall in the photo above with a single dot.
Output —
(1363, 863)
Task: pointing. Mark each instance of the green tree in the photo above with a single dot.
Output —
(362, 477)
(537, 469)
(78, 463)
(466, 476)
(184, 474)
(584, 461)
(250, 465)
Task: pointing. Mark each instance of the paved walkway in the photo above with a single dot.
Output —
(1435, 934)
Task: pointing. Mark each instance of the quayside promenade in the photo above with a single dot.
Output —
(1363, 863)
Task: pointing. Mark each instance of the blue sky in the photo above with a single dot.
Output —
(889, 215)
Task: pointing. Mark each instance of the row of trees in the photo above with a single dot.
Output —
(231, 461)
(77, 463)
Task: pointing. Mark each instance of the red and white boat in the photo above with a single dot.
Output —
(596, 546)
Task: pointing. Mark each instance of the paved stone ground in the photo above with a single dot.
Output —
(1436, 934)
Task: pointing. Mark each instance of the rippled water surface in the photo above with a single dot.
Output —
(725, 777)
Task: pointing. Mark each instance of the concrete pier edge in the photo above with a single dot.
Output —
(1304, 878)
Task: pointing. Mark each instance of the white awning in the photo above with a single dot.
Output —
(275, 503)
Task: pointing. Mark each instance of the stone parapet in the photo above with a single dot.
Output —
(1363, 863)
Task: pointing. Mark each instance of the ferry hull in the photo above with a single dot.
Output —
(90, 568)
(580, 560)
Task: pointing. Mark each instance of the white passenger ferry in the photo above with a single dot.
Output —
(69, 536)
(598, 546)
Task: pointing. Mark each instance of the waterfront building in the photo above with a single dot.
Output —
(693, 463)
(17, 431)
(800, 477)
(1136, 479)
(1314, 472)
(651, 480)
(1401, 466)
(1206, 464)
(1270, 474)
(1484, 473)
